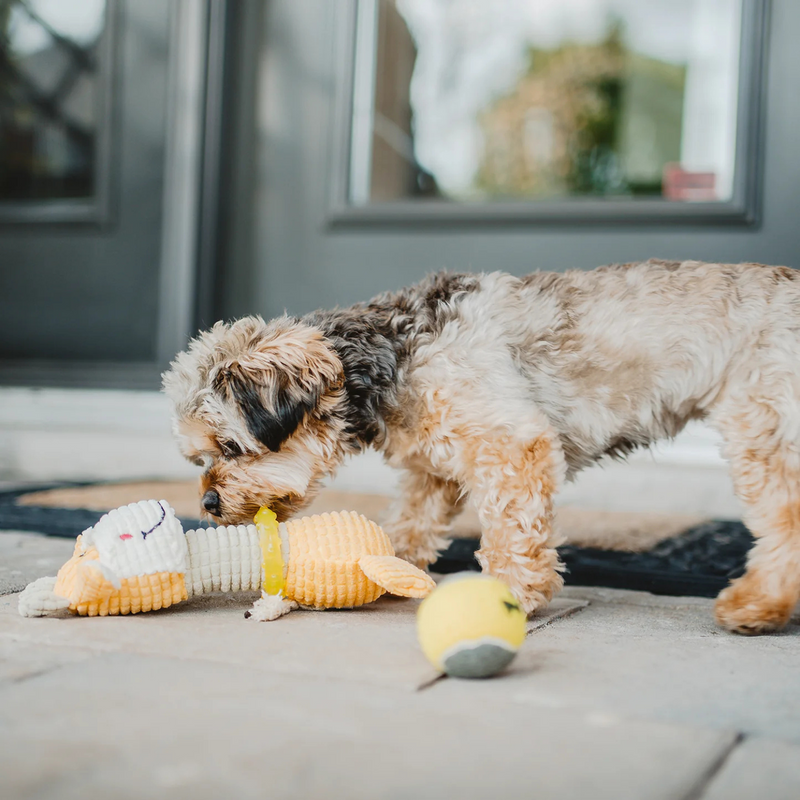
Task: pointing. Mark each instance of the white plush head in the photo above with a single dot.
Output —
(139, 539)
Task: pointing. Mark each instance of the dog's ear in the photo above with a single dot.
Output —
(279, 379)
(271, 409)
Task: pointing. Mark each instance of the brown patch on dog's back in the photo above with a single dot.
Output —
(439, 297)
(784, 274)
(443, 286)
(670, 266)
(544, 281)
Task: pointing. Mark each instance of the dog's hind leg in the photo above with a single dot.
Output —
(512, 481)
(419, 522)
(764, 451)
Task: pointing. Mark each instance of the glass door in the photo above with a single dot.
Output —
(96, 99)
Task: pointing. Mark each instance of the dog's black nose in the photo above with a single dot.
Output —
(210, 502)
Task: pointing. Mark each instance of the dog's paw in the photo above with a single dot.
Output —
(532, 603)
(533, 583)
(533, 598)
(744, 608)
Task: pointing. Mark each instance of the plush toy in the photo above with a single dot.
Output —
(137, 558)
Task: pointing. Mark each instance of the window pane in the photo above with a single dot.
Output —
(49, 98)
(474, 100)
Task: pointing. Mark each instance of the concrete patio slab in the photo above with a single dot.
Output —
(27, 556)
(758, 768)
(636, 655)
(20, 660)
(375, 644)
(613, 694)
(125, 725)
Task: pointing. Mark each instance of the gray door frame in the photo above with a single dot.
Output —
(180, 245)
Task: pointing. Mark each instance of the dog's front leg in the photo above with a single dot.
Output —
(512, 481)
(419, 521)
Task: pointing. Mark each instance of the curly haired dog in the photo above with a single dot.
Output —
(499, 389)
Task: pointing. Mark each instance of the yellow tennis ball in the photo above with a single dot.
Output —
(470, 626)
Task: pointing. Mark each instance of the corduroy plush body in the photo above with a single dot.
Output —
(325, 555)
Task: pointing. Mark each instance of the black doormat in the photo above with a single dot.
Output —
(63, 522)
(699, 562)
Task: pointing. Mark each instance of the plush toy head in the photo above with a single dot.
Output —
(132, 560)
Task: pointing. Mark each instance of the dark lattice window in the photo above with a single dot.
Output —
(49, 92)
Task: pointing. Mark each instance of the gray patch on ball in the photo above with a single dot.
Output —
(479, 659)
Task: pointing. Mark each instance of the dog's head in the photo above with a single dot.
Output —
(257, 405)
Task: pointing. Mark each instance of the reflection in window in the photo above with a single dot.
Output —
(474, 100)
(48, 98)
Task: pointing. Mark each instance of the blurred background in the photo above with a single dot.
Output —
(168, 163)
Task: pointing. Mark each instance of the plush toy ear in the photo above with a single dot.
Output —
(397, 576)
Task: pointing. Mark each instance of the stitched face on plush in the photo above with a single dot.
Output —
(138, 539)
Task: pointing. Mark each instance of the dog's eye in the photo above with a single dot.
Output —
(230, 449)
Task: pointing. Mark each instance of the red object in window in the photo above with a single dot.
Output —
(681, 184)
